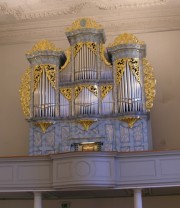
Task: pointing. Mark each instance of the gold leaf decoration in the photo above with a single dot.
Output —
(43, 125)
(50, 73)
(67, 92)
(103, 58)
(149, 84)
(134, 66)
(37, 75)
(130, 120)
(78, 89)
(77, 48)
(126, 38)
(86, 123)
(105, 89)
(68, 58)
(43, 45)
(93, 89)
(92, 46)
(25, 92)
(83, 23)
(120, 67)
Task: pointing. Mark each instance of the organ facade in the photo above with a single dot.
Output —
(90, 97)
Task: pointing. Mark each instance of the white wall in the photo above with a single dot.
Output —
(163, 51)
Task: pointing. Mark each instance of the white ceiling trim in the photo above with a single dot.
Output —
(32, 9)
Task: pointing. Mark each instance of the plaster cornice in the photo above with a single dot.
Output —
(139, 21)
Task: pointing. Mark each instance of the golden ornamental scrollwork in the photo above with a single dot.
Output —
(50, 71)
(86, 123)
(77, 48)
(92, 46)
(103, 58)
(25, 92)
(126, 38)
(37, 75)
(93, 89)
(83, 23)
(130, 120)
(68, 59)
(78, 90)
(149, 84)
(51, 74)
(67, 93)
(120, 67)
(43, 125)
(105, 89)
(134, 66)
(43, 45)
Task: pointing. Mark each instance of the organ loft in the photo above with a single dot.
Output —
(90, 97)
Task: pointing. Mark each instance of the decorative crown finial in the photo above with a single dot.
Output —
(84, 23)
(43, 45)
(126, 38)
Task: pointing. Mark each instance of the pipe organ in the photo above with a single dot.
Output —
(90, 97)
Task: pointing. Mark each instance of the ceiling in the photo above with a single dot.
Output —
(23, 21)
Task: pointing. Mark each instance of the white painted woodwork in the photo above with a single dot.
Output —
(37, 200)
(137, 198)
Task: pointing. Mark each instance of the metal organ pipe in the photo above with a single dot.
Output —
(129, 92)
(44, 98)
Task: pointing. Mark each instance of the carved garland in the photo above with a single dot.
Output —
(103, 58)
(149, 84)
(25, 92)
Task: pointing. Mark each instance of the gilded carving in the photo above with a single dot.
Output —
(83, 23)
(68, 58)
(43, 45)
(126, 38)
(120, 67)
(93, 89)
(149, 84)
(77, 48)
(37, 75)
(86, 123)
(43, 125)
(25, 92)
(134, 66)
(105, 89)
(92, 46)
(130, 120)
(78, 90)
(50, 73)
(67, 92)
(103, 58)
